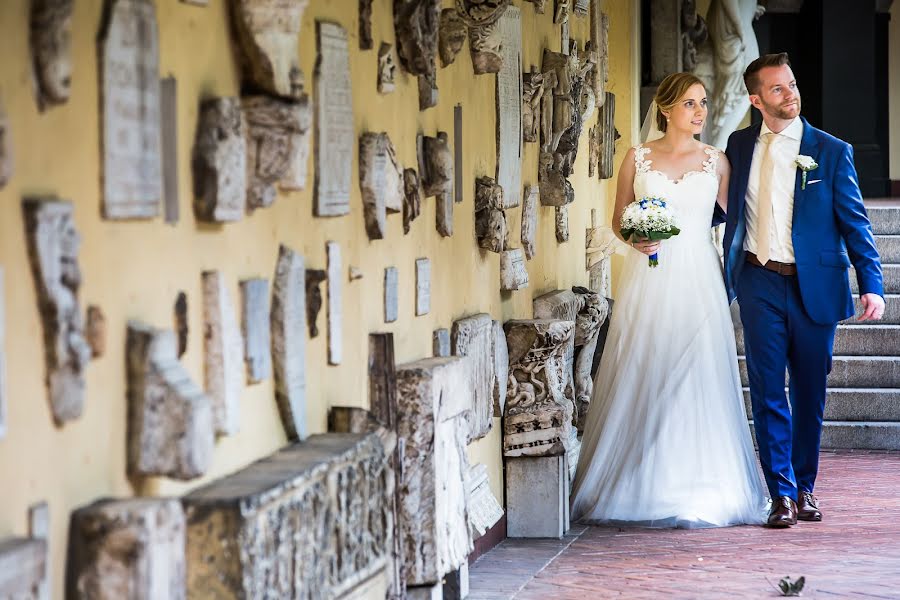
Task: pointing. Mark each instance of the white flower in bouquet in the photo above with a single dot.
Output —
(649, 219)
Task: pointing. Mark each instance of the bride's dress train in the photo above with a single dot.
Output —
(666, 440)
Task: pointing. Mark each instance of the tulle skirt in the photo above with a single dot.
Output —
(666, 440)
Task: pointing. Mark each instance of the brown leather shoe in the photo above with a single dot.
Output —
(808, 508)
(783, 512)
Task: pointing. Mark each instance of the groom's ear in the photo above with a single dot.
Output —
(755, 101)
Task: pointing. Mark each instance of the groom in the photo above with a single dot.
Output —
(794, 226)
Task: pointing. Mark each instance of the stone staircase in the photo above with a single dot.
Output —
(863, 406)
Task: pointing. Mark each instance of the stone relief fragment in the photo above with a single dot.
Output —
(277, 142)
(288, 323)
(416, 27)
(485, 45)
(335, 137)
(220, 161)
(580, 8)
(381, 181)
(608, 136)
(318, 513)
(428, 91)
(529, 221)
(539, 6)
(561, 11)
(170, 423)
(538, 415)
(181, 322)
(6, 153)
(532, 93)
(472, 340)
(386, 69)
(223, 353)
(335, 304)
(593, 149)
(314, 277)
(53, 246)
(599, 45)
(481, 12)
(453, 34)
(600, 243)
(501, 368)
(412, 198)
(562, 224)
(50, 39)
(256, 329)
(95, 331)
(513, 272)
(130, 110)
(365, 25)
(436, 172)
(440, 342)
(24, 565)
(484, 508)
(130, 548)
(268, 39)
(491, 229)
(39, 529)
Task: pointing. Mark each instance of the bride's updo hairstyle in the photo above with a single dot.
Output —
(669, 92)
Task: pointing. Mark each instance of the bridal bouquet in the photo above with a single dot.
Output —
(649, 219)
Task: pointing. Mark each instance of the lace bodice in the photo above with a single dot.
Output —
(692, 197)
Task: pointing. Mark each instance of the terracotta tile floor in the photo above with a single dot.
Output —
(853, 553)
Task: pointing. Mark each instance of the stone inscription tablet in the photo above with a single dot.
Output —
(509, 109)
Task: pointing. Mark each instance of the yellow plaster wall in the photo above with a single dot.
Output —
(134, 270)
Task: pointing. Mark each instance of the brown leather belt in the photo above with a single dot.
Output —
(778, 267)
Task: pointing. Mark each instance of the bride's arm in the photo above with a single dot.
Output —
(723, 170)
(624, 197)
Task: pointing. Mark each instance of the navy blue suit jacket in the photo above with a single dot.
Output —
(831, 230)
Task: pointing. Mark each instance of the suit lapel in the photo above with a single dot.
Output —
(748, 144)
(809, 146)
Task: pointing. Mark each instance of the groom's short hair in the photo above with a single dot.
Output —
(751, 74)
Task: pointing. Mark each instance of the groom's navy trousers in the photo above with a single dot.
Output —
(779, 334)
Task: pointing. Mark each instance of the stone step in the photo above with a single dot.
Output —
(885, 221)
(854, 372)
(855, 404)
(855, 340)
(838, 435)
(891, 312)
(891, 279)
(888, 248)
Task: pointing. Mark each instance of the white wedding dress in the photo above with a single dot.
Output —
(666, 441)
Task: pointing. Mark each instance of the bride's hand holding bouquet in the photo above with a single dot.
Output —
(648, 219)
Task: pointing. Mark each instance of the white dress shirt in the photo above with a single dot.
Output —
(785, 147)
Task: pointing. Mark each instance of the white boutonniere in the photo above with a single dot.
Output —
(805, 164)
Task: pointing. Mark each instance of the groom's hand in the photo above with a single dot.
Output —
(873, 307)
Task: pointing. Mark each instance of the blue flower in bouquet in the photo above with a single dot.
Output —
(649, 218)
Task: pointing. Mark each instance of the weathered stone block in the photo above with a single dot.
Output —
(416, 26)
(53, 249)
(440, 342)
(381, 181)
(309, 521)
(223, 354)
(257, 339)
(220, 161)
(170, 419)
(472, 339)
(50, 38)
(23, 567)
(513, 272)
(491, 229)
(537, 497)
(484, 508)
(289, 341)
(130, 548)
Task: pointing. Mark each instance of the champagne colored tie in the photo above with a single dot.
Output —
(764, 201)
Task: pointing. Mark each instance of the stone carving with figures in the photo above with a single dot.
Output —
(588, 311)
(130, 102)
(53, 246)
(532, 94)
(127, 549)
(561, 11)
(170, 428)
(268, 35)
(50, 39)
(277, 144)
(220, 161)
(416, 27)
(381, 181)
(538, 416)
(328, 500)
(491, 229)
(453, 33)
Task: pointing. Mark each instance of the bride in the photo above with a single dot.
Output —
(666, 441)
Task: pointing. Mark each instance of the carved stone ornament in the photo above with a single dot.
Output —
(476, 13)
(538, 417)
(485, 46)
(170, 424)
(412, 198)
(562, 224)
(220, 161)
(416, 26)
(289, 341)
(472, 339)
(130, 548)
(365, 25)
(314, 278)
(491, 229)
(428, 91)
(540, 6)
(561, 11)
(268, 36)
(6, 155)
(436, 165)
(453, 33)
(484, 508)
(277, 143)
(529, 221)
(386, 68)
(50, 38)
(568, 107)
(513, 272)
(313, 520)
(381, 181)
(53, 247)
(95, 331)
(130, 110)
(532, 92)
(589, 311)
(223, 353)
